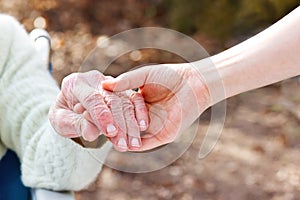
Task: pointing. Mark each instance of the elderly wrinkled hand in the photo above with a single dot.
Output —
(84, 109)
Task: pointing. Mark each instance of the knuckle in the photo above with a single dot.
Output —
(128, 107)
(94, 72)
(68, 81)
(113, 101)
(92, 99)
(128, 110)
(97, 75)
(93, 77)
(104, 116)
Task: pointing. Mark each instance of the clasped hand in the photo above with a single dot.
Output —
(84, 109)
(171, 97)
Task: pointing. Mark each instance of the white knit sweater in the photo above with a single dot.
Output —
(26, 93)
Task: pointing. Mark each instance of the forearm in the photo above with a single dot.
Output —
(269, 57)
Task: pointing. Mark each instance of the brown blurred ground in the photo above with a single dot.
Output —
(257, 156)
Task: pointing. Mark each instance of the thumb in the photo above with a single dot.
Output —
(128, 80)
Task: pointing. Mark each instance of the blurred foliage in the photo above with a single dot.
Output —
(223, 19)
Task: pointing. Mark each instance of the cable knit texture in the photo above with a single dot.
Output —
(26, 94)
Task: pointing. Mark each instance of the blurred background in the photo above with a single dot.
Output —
(257, 156)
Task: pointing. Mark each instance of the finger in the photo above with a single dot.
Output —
(77, 88)
(78, 108)
(115, 104)
(120, 141)
(91, 99)
(71, 125)
(66, 96)
(158, 132)
(141, 112)
(63, 122)
(150, 142)
(89, 131)
(87, 116)
(126, 81)
(133, 131)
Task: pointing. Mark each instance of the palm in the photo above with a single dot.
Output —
(164, 119)
(172, 108)
(174, 94)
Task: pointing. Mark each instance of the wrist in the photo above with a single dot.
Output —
(208, 75)
(198, 85)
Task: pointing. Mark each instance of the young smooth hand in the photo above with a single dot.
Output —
(175, 96)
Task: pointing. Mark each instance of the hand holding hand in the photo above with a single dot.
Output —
(175, 95)
(84, 109)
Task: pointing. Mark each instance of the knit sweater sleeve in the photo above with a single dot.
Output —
(26, 94)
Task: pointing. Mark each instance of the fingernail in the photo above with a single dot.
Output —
(135, 142)
(111, 130)
(122, 143)
(143, 125)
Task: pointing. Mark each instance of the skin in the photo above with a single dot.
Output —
(84, 109)
(171, 90)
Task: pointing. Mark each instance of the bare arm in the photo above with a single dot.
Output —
(268, 57)
(271, 56)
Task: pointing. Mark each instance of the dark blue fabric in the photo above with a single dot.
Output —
(11, 186)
